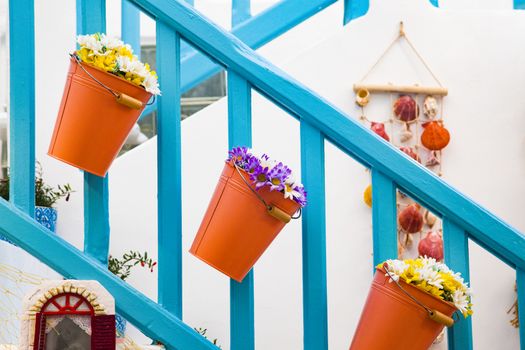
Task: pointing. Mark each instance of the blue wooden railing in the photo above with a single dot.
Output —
(319, 121)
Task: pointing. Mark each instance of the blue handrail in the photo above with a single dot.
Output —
(253, 31)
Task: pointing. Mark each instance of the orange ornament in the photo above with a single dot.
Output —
(435, 137)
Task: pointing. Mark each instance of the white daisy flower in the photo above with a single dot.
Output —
(427, 273)
(111, 42)
(290, 191)
(396, 268)
(139, 69)
(89, 42)
(151, 85)
(461, 301)
(125, 64)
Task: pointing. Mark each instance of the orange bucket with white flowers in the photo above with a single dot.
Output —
(410, 316)
(106, 90)
(253, 201)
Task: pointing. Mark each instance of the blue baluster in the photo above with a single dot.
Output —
(22, 104)
(242, 331)
(91, 18)
(355, 9)
(240, 11)
(130, 26)
(314, 240)
(520, 278)
(457, 258)
(169, 170)
(384, 216)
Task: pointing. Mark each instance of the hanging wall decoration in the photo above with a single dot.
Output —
(414, 124)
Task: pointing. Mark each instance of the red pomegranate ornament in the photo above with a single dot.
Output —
(406, 108)
(410, 219)
(379, 128)
(435, 137)
(411, 153)
(431, 246)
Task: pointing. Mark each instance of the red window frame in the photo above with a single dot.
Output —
(67, 309)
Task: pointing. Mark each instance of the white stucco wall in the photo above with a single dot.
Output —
(477, 55)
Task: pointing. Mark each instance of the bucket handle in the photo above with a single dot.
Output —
(121, 98)
(273, 210)
(434, 315)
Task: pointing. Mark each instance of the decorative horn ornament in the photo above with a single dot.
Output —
(362, 97)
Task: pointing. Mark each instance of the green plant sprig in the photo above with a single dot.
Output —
(45, 195)
(122, 267)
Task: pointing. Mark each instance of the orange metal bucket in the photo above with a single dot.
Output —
(92, 126)
(392, 321)
(237, 228)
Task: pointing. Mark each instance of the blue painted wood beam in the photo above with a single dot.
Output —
(240, 11)
(151, 318)
(254, 32)
(242, 329)
(96, 217)
(520, 283)
(91, 18)
(169, 172)
(315, 314)
(340, 129)
(22, 104)
(519, 4)
(384, 216)
(457, 258)
(130, 26)
(355, 9)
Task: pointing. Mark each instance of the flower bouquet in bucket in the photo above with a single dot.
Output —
(107, 88)
(254, 199)
(417, 294)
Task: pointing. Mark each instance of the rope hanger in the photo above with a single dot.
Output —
(440, 90)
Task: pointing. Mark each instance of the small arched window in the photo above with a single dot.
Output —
(68, 321)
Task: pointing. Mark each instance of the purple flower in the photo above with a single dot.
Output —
(301, 199)
(277, 177)
(239, 155)
(259, 176)
(252, 162)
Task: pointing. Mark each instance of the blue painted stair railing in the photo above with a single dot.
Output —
(320, 121)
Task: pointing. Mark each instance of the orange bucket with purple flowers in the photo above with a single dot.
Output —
(394, 308)
(241, 222)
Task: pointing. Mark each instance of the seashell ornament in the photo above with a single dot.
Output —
(435, 137)
(406, 108)
(367, 196)
(410, 219)
(411, 153)
(431, 246)
(405, 135)
(430, 219)
(379, 128)
(362, 97)
(433, 159)
(430, 107)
